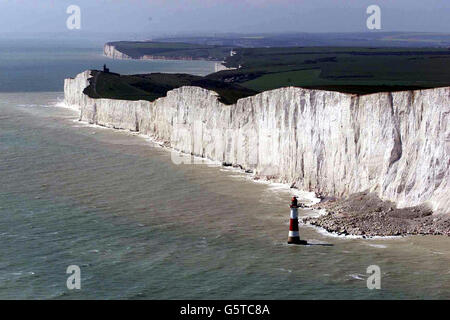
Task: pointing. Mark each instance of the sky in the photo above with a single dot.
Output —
(174, 17)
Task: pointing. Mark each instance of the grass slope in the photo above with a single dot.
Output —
(155, 85)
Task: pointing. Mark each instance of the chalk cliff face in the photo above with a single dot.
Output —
(394, 144)
(112, 52)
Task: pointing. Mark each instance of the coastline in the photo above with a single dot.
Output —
(316, 204)
(110, 51)
(158, 121)
(350, 254)
(307, 196)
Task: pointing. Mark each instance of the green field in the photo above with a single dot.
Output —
(352, 70)
(344, 69)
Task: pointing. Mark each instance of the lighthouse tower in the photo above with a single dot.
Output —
(294, 235)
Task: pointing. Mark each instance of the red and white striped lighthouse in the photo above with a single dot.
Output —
(294, 235)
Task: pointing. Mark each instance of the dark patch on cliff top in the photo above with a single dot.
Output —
(156, 85)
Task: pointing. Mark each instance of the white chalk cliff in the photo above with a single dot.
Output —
(394, 144)
(111, 51)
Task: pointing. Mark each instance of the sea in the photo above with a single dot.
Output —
(139, 226)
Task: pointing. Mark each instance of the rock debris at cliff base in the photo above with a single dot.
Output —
(365, 214)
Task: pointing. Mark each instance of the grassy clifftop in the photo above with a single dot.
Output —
(155, 85)
(351, 70)
(355, 70)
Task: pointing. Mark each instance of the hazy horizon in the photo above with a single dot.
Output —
(155, 18)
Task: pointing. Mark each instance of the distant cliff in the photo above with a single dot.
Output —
(111, 50)
(396, 145)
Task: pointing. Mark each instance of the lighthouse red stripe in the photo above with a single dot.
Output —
(293, 225)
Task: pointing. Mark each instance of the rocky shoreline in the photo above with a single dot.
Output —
(365, 214)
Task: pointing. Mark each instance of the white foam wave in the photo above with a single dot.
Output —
(326, 233)
(356, 276)
(381, 246)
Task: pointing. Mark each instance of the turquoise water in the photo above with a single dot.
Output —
(141, 227)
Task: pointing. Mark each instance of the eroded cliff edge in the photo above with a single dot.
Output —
(111, 51)
(394, 145)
